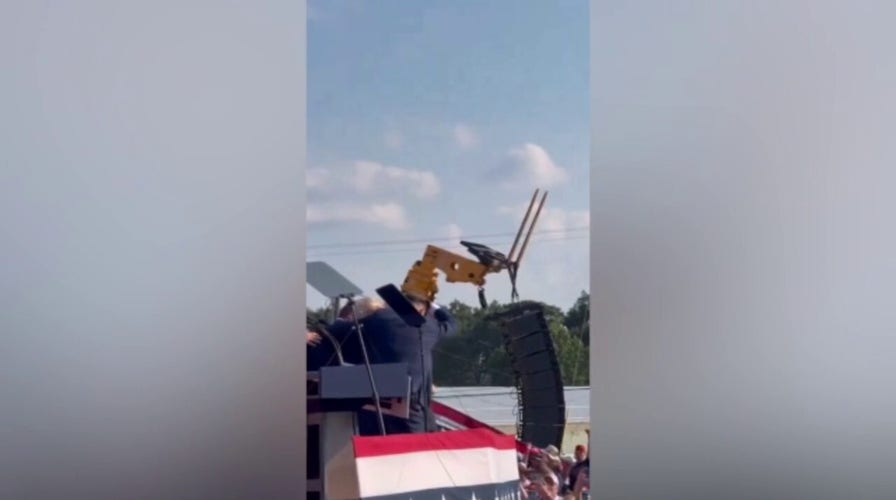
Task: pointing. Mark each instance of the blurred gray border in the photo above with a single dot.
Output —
(152, 262)
(743, 250)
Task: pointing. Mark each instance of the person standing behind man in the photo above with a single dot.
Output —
(324, 353)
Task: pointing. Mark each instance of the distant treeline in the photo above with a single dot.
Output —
(477, 356)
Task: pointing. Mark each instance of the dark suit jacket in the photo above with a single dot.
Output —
(390, 340)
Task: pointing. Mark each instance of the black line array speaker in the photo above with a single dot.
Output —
(533, 359)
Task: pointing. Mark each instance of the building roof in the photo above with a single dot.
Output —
(497, 406)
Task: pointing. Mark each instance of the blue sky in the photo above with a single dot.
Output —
(434, 121)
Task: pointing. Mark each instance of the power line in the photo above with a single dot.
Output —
(436, 239)
(417, 249)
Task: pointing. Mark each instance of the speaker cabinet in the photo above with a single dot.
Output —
(533, 359)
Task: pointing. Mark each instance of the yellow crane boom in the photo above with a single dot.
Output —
(421, 281)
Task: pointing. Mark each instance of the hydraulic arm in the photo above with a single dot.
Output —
(422, 279)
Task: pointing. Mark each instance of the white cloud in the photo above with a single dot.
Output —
(393, 139)
(371, 178)
(388, 215)
(465, 136)
(529, 166)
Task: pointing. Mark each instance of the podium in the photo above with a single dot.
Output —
(335, 395)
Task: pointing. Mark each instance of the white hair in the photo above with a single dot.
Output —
(363, 307)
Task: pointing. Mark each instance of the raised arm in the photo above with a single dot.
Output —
(447, 323)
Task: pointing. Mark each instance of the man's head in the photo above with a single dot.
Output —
(581, 452)
(420, 305)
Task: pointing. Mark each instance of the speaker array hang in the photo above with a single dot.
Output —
(533, 359)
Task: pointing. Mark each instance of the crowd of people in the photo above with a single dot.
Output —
(546, 474)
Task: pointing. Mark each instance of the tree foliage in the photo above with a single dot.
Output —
(477, 356)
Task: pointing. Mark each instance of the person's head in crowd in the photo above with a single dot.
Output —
(535, 459)
(581, 452)
(522, 462)
(567, 461)
(555, 463)
(545, 468)
(548, 487)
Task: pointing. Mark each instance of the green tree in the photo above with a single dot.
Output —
(578, 317)
(477, 355)
(474, 355)
(321, 313)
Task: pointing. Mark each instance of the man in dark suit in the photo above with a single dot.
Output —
(390, 340)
